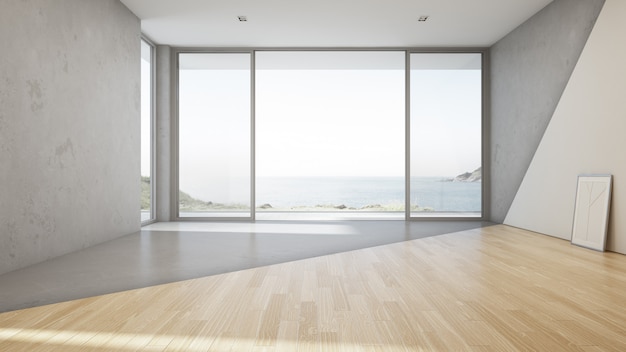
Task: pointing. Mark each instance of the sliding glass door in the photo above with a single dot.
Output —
(446, 134)
(330, 131)
(214, 135)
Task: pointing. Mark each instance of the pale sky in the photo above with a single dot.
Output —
(324, 122)
(330, 123)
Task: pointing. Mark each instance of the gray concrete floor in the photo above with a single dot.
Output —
(168, 252)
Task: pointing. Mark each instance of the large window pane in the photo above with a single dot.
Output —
(146, 132)
(214, 135)
(446, 99)
(330, 131)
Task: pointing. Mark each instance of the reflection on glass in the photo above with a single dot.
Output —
(214, 135)
(446, 98)
(146, 131)
(330, 131)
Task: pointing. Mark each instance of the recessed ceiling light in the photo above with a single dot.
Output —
(422, 18)
(242, 18)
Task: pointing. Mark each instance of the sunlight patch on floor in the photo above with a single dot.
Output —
(57, 339)
(257, 228)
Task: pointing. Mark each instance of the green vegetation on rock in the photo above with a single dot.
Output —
(189, 203)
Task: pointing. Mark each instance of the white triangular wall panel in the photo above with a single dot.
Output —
(587, 134)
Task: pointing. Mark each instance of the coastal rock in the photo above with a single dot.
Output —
(474, 176)
(372, 206)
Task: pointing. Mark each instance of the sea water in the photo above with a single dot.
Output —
(433, 193)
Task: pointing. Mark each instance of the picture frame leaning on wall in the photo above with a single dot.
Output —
(591, 211)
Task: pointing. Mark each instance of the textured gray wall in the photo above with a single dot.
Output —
(69, 127)
(530, 68)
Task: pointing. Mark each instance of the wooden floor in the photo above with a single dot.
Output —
(490, 289)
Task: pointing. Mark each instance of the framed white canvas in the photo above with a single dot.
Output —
(591, 213)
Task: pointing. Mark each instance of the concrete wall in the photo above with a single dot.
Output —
(585, 135)
(530, 68)
(69, 127)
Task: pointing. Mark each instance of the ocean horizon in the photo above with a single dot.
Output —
(439, 194)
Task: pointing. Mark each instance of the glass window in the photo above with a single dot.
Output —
(446, 137)
(214, 129)
(330, 131)
(329, 134)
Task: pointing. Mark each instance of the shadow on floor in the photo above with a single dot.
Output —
(168, 252)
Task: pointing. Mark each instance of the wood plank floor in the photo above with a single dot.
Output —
(491, 289)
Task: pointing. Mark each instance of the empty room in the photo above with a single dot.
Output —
(349, 175)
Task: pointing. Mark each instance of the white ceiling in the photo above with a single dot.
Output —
(331, 23)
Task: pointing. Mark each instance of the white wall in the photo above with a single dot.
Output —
(586, 135)
(69, 127)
